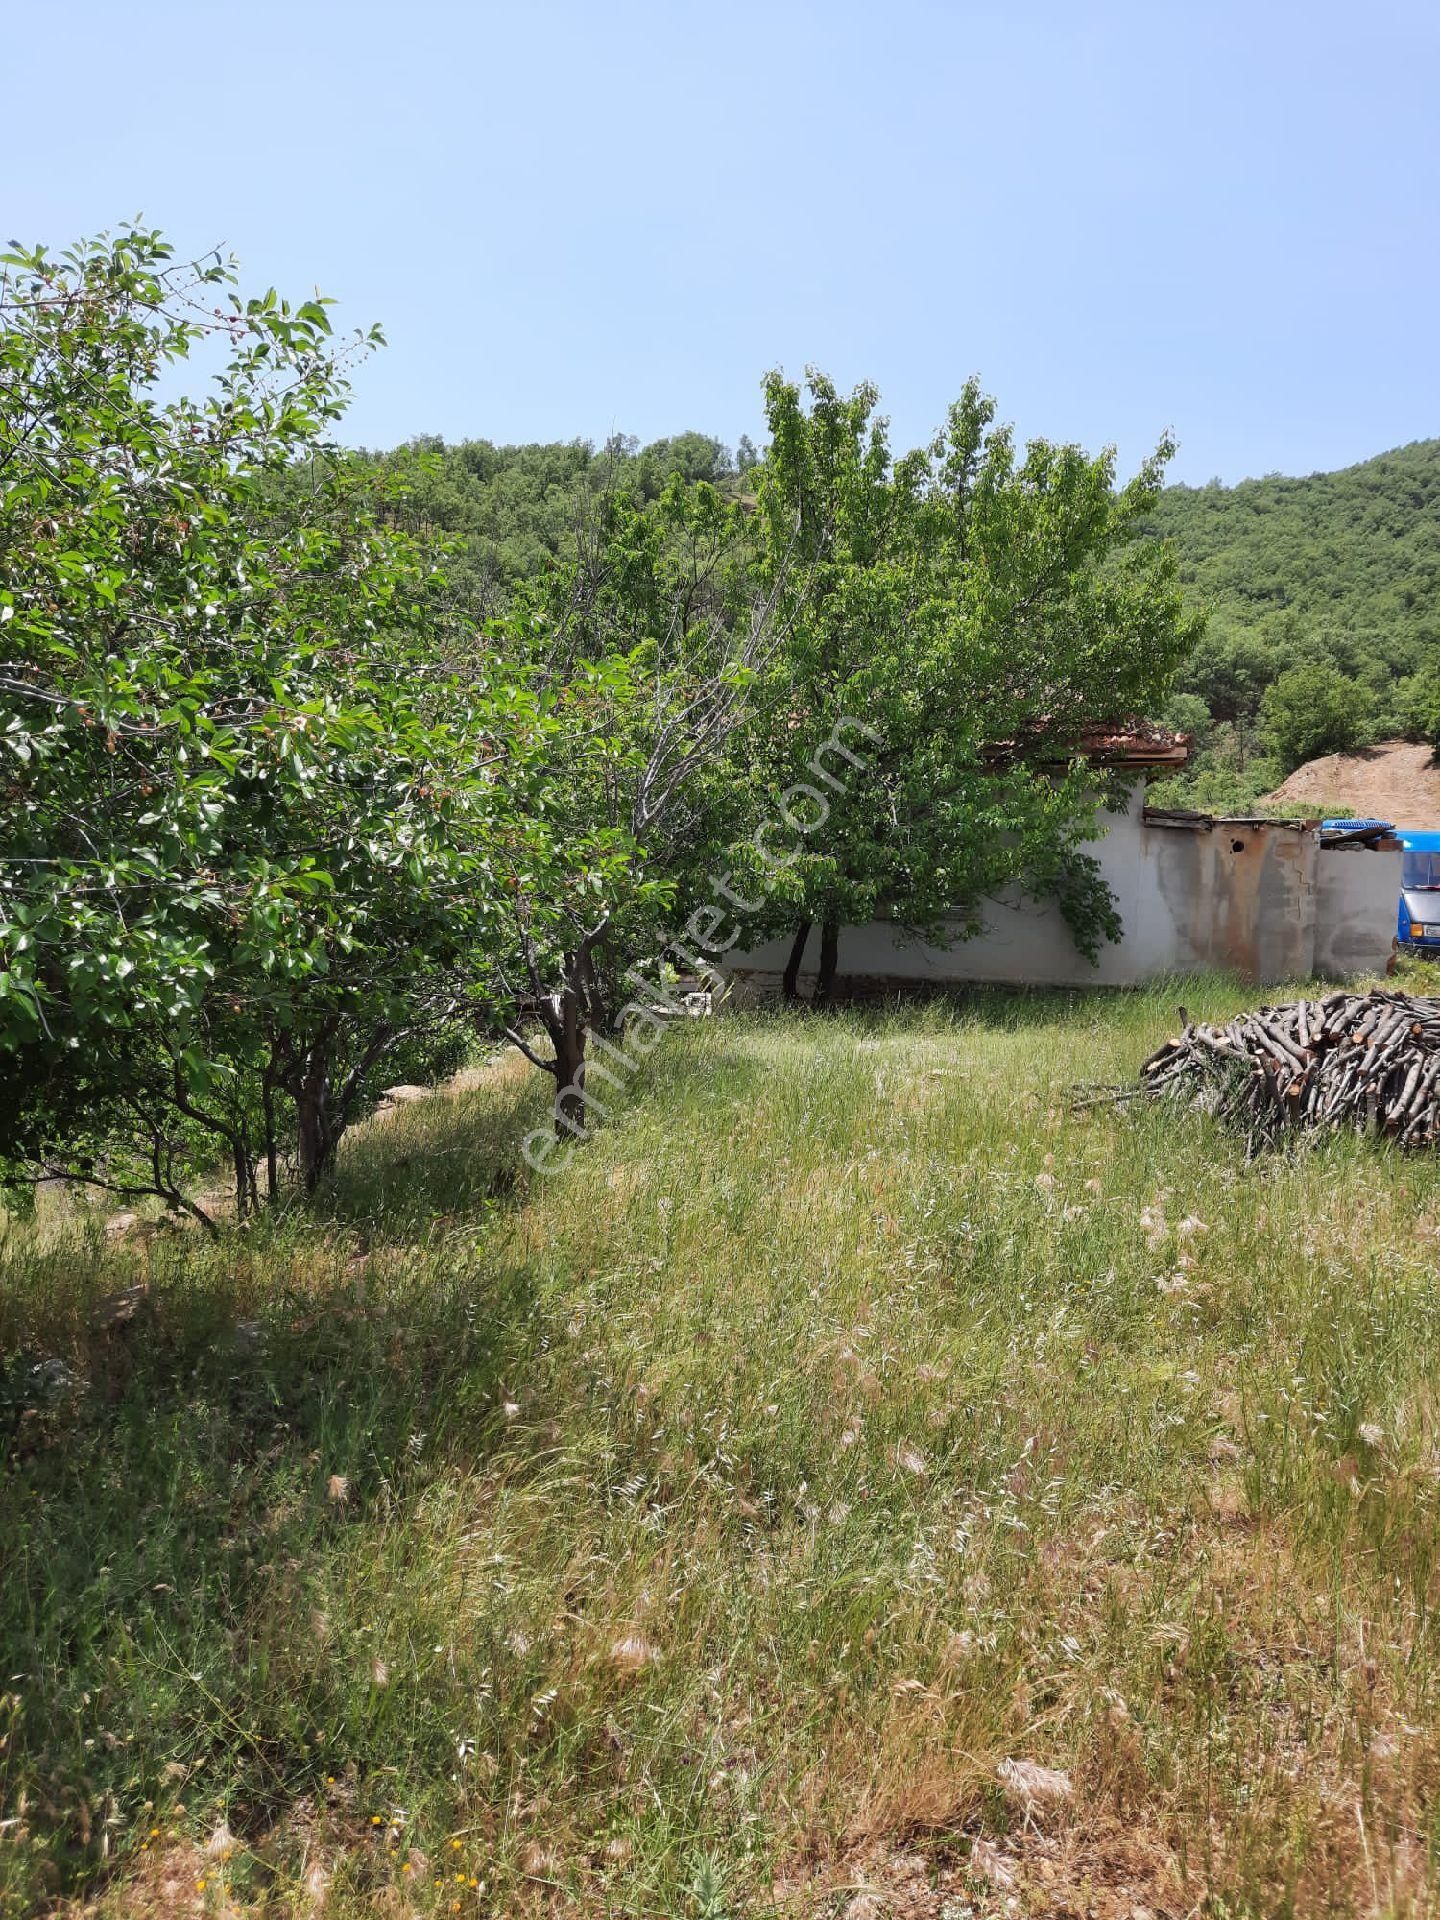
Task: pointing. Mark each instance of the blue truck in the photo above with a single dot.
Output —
(1417, 921)
(1418, 926)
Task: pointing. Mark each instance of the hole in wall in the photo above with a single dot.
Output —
(1237, 846)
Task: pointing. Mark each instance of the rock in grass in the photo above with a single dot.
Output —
(402, 1096)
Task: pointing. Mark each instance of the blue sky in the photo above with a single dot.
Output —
(577, 219)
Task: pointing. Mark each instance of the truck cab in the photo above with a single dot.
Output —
(1418, 926)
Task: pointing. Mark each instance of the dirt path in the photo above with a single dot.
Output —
(1394, 781)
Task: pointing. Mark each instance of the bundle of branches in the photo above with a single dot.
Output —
(1366, 1060)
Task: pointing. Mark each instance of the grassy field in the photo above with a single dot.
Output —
(699, 1531)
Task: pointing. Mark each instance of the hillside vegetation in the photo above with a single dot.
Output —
(1355, 555)
(1322, 592)
(514, 509)
(698, 1531)
(1325, 591)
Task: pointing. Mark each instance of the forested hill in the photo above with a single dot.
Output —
(1353, 554)
(1323, 592)
(514, 507)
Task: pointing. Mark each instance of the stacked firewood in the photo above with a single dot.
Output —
(1365, 1060)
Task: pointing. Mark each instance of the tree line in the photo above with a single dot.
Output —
(314, 773)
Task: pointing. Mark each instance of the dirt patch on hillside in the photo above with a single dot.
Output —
(1395, 781)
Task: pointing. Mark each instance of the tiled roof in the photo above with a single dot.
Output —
(1116, 743)
(1136, 743)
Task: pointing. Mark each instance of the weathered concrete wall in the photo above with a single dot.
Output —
(1357, 893)
(1264, 901)
(1231, 895)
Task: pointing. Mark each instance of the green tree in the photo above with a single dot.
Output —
(646, 646)
(1417, 703)
(1315, 709)
(976, 610)
(253, 832)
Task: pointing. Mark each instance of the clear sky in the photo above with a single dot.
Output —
(574, 219)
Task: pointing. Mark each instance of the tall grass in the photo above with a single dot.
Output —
(696, 1531)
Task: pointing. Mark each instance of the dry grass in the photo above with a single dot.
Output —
(718, 1516)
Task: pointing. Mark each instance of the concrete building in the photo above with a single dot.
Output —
(1259, 898)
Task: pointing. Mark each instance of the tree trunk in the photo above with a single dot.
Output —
(569, 1015)
(244, 1178)
(601, 990)
(568, 1033)
(829, 957)
(318, 1137)
(570, 1088)
(272, 1144)
(790, 984)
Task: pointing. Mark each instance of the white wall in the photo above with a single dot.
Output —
(1357, 896)
(1263, 901)
(1025, 941)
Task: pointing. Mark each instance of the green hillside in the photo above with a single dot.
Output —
(1353, 555)
(1327, 585)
